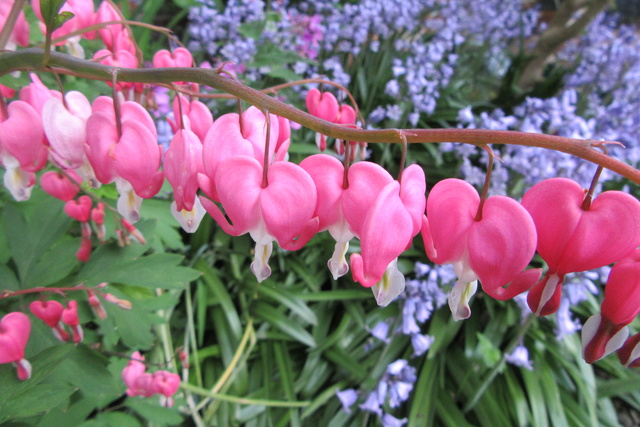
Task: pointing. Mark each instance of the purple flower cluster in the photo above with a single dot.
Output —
(391, 391)
(600, 100)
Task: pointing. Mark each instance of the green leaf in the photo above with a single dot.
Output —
(491, 355)
(133, 327)
(8, 279)
(55, 264)
(284, 324)
(15, 82)
(112, 264)
(285, 298)
(61, 18)
(29, 233)
(14, 392)
(110, 419)
(38, 399)
(49, 10)
(252, 29)
(152, 411)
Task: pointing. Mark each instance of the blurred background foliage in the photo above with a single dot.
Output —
(281, 352)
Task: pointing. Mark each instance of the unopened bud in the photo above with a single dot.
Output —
(96, 305)
(123, 238)
(133, 231)
(117, 301)
(84, 252)
(184, 359)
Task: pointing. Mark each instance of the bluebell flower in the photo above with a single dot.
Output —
(347, 399)
(519, 357)
(389, 420)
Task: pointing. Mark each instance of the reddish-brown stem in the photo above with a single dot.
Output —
(3, 108)
(181, 121)
(7, 293)
(265, 164)
(61, 87)
(588, 198)
(116, 102)
(10, 22)
(347, 156)
(31, 59)
(487, 182)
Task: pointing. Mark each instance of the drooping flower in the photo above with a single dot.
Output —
(606, 332)
(65, 126)
(325, 106)
(373, 202)
(235, 135)
(494, 248)
(328, 175)
(166, 384)
(14, 333)
(71, 319)
(572, 238)
(281, 211)
(182, 163)
(50, 312)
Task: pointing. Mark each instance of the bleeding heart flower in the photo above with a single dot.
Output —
(387, 229)
(22, 136)
(328, 175)
(71, 319)
(228, 137)
(198, 117)
(572, 239)
(122, 57)
(59, 186)
(166, 384)
(494, 248)
(80, 209)
(606, 332)
(281, 211)
(180, 57)
(65, 127)
(50, 312)
(629, 353)
(14, 333)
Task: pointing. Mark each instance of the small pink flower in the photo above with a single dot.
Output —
(80, 209)
(59, 186)
(166, 384)
(606, 332)
(14, 333)
(50, 312)
(71, 319)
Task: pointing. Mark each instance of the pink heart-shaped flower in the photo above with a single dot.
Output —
(14, 333)
(322, 104)
(50, 312)
(59, 186)
(80, 209)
